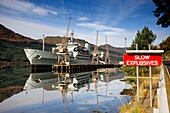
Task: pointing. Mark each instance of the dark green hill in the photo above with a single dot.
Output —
(14, 51)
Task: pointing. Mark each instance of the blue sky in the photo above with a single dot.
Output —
(115, 19)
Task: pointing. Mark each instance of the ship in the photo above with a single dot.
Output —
(73, 53)
(70, 52)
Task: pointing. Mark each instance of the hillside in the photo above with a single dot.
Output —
(116, 54)
(9, 35)
(60, 40)
(12, 45)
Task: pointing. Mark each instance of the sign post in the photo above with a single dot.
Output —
(143, 58)
(137, 75)
(150, 76)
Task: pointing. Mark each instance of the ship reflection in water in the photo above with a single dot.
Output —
(69, 93)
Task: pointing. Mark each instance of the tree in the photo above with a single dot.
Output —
(143, 39)
(155, 47)
(165, 45)
(162, 12)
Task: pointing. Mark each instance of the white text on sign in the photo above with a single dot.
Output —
(142, 57)
(142, 60)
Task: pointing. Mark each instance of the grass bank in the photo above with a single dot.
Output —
(143, 106)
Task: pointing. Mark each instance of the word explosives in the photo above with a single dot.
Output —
(142, 60)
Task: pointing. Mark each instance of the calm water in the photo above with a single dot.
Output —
(71, 93)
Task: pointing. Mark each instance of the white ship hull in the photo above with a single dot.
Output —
(39, 57)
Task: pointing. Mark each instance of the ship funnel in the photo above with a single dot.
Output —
(87, 45)
(72, 36)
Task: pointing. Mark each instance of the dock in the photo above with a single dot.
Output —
(78, 68)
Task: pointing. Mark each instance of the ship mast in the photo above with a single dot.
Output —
(107, 58)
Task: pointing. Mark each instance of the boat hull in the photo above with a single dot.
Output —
(38, 57)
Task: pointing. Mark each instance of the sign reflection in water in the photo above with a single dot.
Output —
(68, 93)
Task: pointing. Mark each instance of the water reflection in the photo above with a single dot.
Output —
(13, 76)
(69, 93)
(39, 80)
(12, 80)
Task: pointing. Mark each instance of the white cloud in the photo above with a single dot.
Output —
(40, 11)
(83, 18)
(112, 33)
(115, 35)
(86, 31)
(97, 22)
(114, 39)
(99, 27)
(31, 29)
(117, 41)
(36, 31)
(125, 8)
(27, 7)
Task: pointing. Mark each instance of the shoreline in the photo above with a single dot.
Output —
(5, 64)
(143, 105)
(9, 91)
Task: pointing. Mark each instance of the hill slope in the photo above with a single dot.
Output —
(9, 35)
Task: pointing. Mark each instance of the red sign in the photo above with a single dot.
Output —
(142, 60)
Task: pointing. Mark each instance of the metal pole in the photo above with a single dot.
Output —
(125, 43)
(137, 76)
(150, 76)
(43, 42)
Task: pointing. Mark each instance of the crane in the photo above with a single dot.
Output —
(95, 52)
(63, 49)
(107, 58)
(67, 32)
(68, 27)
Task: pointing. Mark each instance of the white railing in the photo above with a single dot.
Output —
(162, 95)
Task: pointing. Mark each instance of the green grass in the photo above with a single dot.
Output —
(135, 108)
(144, 105)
